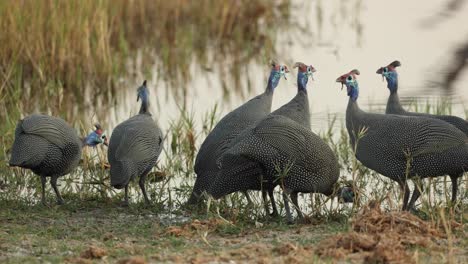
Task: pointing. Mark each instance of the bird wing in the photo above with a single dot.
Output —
(138, 141)
(282, 134)
(438, 137)
(53, 129)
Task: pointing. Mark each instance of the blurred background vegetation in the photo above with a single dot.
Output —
(58, 54)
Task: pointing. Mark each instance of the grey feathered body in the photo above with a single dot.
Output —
(134, 148)
(277, 144)
(394, 107)
(219, 139)
(47, 145)
(434, 147)
(297, 109)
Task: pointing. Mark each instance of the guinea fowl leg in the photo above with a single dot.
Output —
(273, 203)
(417, 192)
(265, 202)
(43, 183)
(53, 182)
(454, 179)
(249, 200)
(296, 204)
(125, 201)
(286, 207)
(143, 189)
(405, 189)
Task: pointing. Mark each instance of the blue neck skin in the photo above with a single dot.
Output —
(302, 79)
(143, 96)
(273, 80)
(353, 90)
(392, 81)
(92, 140)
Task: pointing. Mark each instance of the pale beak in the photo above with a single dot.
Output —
(339, 80)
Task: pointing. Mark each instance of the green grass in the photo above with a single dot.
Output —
(61, 233)
(92, 215)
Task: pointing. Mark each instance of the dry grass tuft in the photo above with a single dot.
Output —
(93, 252)
(382, 237)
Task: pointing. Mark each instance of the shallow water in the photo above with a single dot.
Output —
(357, 34)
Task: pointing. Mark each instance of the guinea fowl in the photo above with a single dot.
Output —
(394, 106)
(50, 148)
(134, 147)
(251, 172)
(279, 150)
(229, 127)
(402, 147)
(298, 108)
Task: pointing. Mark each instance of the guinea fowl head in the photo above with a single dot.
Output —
(344, 191)
(390, 74)
(277, 71)
(303, 74)
(143, 94)
(350, 81)
(98, 136)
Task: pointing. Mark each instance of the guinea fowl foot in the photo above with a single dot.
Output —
(45, 204)
(60, 202)
(124, 204)
(274, 215)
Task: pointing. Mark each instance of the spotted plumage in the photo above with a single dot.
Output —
(393, 104)
(394, 107)
(403, 147)
(276, 143)
(229, 127)
(50, 148)
(134, 147)
(278, 146)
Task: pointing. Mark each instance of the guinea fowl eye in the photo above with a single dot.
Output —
(385, 69)
(349, 78)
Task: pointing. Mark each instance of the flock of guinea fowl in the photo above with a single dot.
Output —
(252, 148)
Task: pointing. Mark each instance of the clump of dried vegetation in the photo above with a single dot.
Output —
(378, 236)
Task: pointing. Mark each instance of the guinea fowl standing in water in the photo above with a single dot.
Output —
(134, 147)
(50, 148)
(394, 107)
(228, 128)
(403, 147)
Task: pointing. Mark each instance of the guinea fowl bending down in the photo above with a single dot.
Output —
(394, 107)
(257, 170)
(134, 147)
(50, 148)
(278, 150)
(402, 147)
(230, 127)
